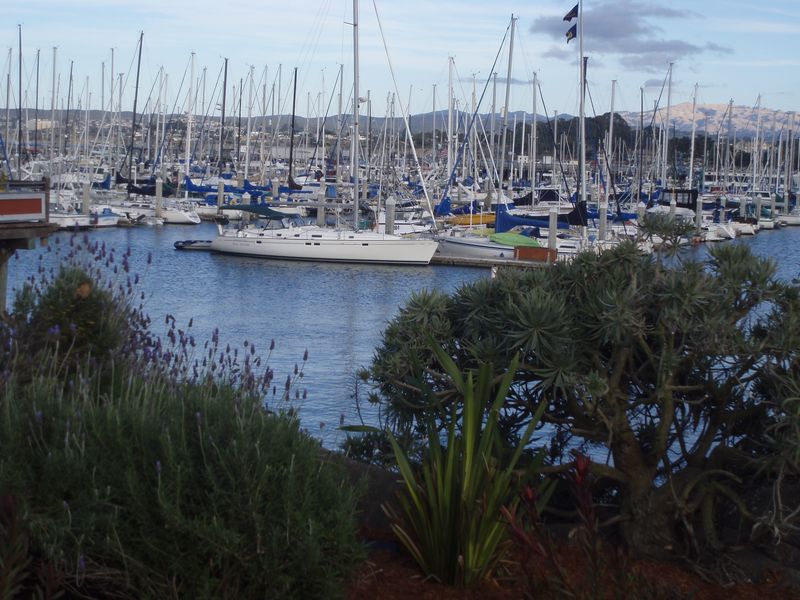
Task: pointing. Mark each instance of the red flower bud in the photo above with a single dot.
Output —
(529, 495)
(582, 464)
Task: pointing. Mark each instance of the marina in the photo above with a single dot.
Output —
(317, 251)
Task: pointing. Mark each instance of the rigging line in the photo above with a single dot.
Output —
(169, 123)
(327, 112)
(658, 101)
(201, 127)
(555, 142)
(310, 46)
(460, 153)
(403, 111)
(129, 150)
(605, 155)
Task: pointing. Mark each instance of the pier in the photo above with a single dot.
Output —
(23, 220)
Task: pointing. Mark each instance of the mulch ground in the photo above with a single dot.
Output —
(392, 575)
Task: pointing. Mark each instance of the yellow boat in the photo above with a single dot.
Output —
(486, 218)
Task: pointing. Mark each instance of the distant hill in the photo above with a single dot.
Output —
(713, 118)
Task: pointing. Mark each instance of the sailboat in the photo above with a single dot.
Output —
(297, 241)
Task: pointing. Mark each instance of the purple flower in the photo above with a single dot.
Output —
(158, 467)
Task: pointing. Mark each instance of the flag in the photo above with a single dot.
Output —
(573, 14)
(572, 32)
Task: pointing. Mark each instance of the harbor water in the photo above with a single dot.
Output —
(336, 312)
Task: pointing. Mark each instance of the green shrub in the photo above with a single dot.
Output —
(155, 473)
(676, 377)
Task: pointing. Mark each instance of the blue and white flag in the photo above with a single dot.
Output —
(572, 32)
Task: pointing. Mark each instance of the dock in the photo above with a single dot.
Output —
(24, 219)
(487, 263)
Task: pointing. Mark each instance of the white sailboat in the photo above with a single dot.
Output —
(324, 244)
(315, 243)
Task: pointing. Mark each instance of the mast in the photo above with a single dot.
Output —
(36, 109)
(135, 100)
(787, 180)
(19, 107)
(755, 155)
(339, 125)
(694, 129)
(534, 139)
(610, 154)
(434, 159)
(292, 184)
(505, 108)
(263, 129)
(69, 101)
(249, 118)
(449, 118)
(8, 101)
(582, 65)
(492, 146)
(474, 137)
(356, 100)
(189, 111)
(53, 112)
(665, 148)
(87, 110)
(221, 164)
(641, 143)
(238, 124)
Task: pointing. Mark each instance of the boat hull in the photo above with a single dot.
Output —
(473, 247)
(321, 246)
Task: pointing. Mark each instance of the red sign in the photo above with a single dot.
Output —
(22, 206)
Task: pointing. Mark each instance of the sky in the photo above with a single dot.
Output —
(737, 49)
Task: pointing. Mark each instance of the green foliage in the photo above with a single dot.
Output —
(669, 368)
(449, 511)
(73, 314)
(148, 474)
(603, 571)
(206, 495)
(20, 575)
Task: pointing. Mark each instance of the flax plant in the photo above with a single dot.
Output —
(449, 511)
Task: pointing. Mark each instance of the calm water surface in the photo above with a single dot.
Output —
(336, 312)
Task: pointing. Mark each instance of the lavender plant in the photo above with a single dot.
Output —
(154, 468)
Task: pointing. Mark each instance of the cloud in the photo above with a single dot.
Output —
(653, 84)
(627, 30)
